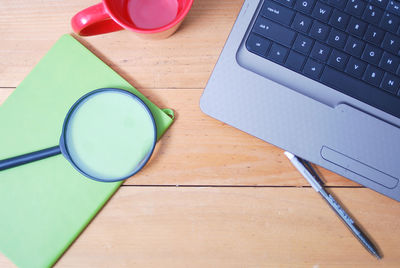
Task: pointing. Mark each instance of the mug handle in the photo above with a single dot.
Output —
(94, 20)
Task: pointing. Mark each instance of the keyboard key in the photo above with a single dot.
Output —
(354, 46)
(278, 53)
(374, 35)
(313, 69)
(301, 23)
(288, 3)
(338, 59)
(257, 44)
(390, 22)
(361, 90)
(380, 3)
(303, 44)
(355, 67)
(339, 19)
(322, 12)
(394, 7)
(355, 7)
(373, 14)
(338, 3)
(337, 38)
(304, 6)
(356, 27)
(391, 83)
(391, 43)
(372, 54)
(319, 31)
(274, 31)
(278, 13)
(295, 61)
(373, 75)
(320, 52)
(389, 62)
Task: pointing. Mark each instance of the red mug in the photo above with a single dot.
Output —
(148, 18)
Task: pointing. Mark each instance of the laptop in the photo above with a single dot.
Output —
(320, 79)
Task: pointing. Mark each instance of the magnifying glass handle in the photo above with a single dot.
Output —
(27, 158)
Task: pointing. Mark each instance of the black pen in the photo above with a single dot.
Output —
(313, 180)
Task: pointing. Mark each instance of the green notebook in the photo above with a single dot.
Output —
(46, 204)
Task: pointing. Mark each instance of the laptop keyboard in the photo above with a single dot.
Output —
(349, 45)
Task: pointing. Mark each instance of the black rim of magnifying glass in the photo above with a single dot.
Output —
(64, 149)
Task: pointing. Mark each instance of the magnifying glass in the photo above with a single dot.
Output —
(108, 135)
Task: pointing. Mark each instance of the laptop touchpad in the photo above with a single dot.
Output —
(358, 167)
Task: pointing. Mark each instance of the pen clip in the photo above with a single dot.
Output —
(310, 169)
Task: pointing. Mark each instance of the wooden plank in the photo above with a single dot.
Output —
(235, 227)
(29, 28)
(197, 226)
(218, 154)
(198, 150)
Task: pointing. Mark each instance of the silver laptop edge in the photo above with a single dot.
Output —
(302, 116)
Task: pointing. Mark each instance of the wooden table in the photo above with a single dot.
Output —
(211, 196)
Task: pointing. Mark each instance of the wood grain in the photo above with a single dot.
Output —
(198, 150)
(29, 28)
(172, 73)
(234, 227)
(265, 218)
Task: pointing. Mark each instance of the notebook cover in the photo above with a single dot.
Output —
(45, 205)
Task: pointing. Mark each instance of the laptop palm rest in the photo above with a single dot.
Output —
(359, 168)
(370, 155)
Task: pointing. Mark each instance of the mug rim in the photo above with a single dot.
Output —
(174, 22)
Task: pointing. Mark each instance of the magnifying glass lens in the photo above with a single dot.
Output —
(109, 135)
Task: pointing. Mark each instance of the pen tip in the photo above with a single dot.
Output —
(289, 155)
